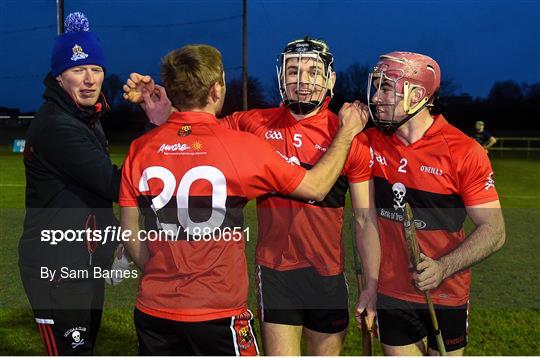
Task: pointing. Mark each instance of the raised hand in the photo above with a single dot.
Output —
(135, 85)
(354, 116)
(157, 105)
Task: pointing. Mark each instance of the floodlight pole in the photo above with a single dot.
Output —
(60, 17)
(244, 58)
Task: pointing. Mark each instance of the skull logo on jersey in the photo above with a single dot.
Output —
(77, 341)
(399, 191)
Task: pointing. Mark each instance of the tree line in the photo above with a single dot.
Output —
(509, 106)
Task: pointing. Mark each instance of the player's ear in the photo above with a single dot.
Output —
(215, 92)
(59, 80)
(332, 80)
(417, 95)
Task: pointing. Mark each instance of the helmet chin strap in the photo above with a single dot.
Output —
(302, 108)
(390, 128)
(407, 89)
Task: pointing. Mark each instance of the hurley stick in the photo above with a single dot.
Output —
(367, 334)
(414, 257)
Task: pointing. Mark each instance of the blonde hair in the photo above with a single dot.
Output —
(189, 72)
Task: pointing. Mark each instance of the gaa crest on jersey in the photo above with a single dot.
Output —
(275, 135)
(374, 155)
(78, 53)
(184, 131)
(399, 191)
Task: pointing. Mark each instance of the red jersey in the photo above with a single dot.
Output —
(192, 173)
(294, 233)
(439, 175)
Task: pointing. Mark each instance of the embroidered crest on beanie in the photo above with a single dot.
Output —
(77, 46)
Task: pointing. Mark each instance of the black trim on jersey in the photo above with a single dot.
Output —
(334, 199)
(200, 209)
(431, 211)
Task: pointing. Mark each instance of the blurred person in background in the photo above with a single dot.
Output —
(484, 138)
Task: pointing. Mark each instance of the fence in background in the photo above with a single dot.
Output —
(527, 144)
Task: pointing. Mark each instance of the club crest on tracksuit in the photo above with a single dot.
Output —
(75, 335)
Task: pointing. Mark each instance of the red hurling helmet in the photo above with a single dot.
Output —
(397, 74)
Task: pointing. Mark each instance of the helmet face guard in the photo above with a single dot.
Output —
(383, 98)
(392, 82)
(304, 72)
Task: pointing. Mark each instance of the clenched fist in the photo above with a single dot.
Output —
(353, 116)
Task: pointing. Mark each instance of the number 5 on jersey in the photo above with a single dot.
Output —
(297, 139)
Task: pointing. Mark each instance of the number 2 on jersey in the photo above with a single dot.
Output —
(403, 163)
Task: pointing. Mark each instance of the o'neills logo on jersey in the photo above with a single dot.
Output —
(324, 149)
(275, 135)
(431, 170)
(171, 148)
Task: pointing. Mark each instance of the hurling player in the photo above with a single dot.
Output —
(421, 159)
(191, 178)
(301, 284)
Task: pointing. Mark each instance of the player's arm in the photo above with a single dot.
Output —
(142, 90)
(367, 244)
(491, 142)
(319, 180)
(487, 237)
(137, 249)
(238, 121)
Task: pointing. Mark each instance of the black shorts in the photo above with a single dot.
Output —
(401, 323)
(302, 297)
(68, 314)
(231, 336)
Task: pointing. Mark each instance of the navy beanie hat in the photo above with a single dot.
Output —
(77, 46)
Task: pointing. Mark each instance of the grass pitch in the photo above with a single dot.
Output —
(505, 309)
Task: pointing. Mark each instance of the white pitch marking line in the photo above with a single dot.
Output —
(521, 196)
